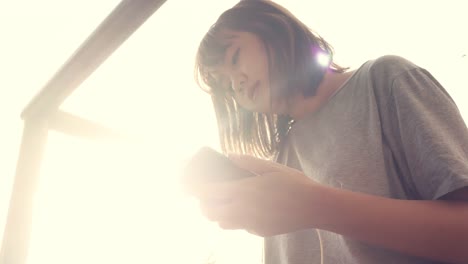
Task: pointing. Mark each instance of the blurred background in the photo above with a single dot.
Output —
(120, 202)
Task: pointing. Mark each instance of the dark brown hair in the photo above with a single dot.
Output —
(292, 50)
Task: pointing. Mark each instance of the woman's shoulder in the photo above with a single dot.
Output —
(390, 66)
(380, 74)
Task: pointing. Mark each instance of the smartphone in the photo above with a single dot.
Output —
(208, 165)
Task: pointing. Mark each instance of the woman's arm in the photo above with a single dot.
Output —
(281, 200)
(435, 230)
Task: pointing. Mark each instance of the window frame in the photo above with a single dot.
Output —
(42, 115)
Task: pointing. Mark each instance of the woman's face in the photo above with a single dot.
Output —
(245, 70)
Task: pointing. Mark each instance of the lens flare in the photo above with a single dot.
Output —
(323, 59)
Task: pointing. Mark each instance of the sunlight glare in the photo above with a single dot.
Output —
(120, 202)
(323, 59)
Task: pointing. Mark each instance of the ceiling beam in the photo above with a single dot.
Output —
(122, 22)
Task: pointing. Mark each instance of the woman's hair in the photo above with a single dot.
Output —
(292, 50)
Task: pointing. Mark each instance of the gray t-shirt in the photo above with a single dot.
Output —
(391, 130)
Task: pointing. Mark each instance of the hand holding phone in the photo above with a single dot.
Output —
(208, 165)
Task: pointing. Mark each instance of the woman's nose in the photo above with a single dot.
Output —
(238, 87)
(240, 83)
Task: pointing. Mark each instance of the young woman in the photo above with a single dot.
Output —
(364, 166)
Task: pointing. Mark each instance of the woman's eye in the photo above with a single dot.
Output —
(235, 58)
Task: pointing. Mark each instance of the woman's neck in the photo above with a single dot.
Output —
(332, 81)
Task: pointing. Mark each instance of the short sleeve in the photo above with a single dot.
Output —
(427, 133)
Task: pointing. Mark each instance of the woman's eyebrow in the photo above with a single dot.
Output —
(231, 36)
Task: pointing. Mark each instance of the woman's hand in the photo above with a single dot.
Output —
(278, 200)
(282, 200)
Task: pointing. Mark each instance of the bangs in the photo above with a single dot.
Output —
(209, 60)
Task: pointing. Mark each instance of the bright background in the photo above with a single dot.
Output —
(108, 202)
